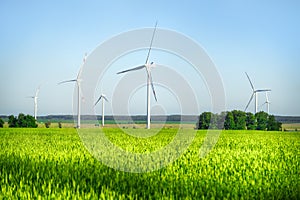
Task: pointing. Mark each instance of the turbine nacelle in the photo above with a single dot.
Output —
(150, 65)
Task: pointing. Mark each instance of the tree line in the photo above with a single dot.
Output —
(22, 121)
(231, 120)
(238, 120)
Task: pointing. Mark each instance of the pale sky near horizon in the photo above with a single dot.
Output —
(43, 42)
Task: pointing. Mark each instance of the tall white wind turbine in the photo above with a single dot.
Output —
(148, 67)
(254, 93)
(35, 100)
(103, 97)
(78, 81)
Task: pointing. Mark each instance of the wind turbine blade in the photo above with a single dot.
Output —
(151, 43)
(37, 91)
(153, 90)
(98, 100)
(83, 62)
(84, 58)
(105, 98)
(101, 96)
(74, 80)
(263, 90)
(250, 100)
(262, 105)
(30, 97)
(133, 69)
(250, 81)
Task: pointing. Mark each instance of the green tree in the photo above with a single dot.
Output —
(229, 121)
(239, 119)
(1, 123)
(250, 121)
(47, 124)
(204, 120)
(272, 124)
(12, 121)
(22, 121)
(262, 119)
(30, 121)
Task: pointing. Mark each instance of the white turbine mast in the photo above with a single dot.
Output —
(78, 82)
(35, 101)
(103, 97)
(254, 93)
(148, 67)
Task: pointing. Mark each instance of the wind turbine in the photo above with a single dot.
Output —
(267, 102)
(148, 67)
(35, 98)
(103, 97)
(254, 93)
(78, 81)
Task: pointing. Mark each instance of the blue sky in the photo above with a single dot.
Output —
(43, 42)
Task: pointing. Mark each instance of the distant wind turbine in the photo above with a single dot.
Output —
(254, 93)
(148, 67)
(78, 81)
(35, 98)
(267, 103)
(103, 97)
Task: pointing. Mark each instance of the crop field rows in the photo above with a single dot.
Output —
(54, 164)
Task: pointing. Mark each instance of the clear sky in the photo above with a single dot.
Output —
(43, 42)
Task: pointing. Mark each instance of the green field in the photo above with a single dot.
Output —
(54, 164)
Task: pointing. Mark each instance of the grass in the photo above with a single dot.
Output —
(53, 163)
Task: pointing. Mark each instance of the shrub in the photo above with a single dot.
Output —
(47, 124)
